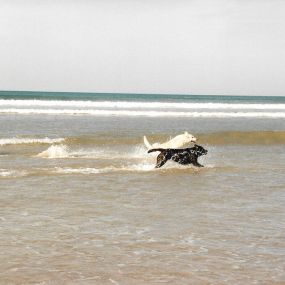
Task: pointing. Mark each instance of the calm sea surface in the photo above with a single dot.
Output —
(81, 202)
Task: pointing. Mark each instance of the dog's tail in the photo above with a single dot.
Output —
(156, 149)
(146, 142)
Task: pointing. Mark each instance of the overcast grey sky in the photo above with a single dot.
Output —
(143, 46)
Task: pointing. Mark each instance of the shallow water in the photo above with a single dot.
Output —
(82, 204)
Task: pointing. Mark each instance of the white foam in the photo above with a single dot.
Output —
(141, 167)
(90, 170)
(63, 151)
(139, 152)
(81, 170)
(6, 173)
(139, 105)
(55, 151)
(14, 141)
(145, 113)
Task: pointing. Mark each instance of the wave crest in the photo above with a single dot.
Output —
(144, 113)
(55, 151)
(6, 173)
(139, 105)
(14, 141)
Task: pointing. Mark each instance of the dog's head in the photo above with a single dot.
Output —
(199, 150)
(188, 138)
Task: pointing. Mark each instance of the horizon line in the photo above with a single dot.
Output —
(129, 93)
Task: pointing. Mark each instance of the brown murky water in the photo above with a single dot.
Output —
(81, 203)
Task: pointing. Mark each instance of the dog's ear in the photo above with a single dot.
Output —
(185, 133)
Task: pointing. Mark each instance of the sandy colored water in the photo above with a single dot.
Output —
(89, 208)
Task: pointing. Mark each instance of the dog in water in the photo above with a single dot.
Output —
(182, 156)
(177, 142)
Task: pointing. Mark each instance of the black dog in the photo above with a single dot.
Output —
(183, 156)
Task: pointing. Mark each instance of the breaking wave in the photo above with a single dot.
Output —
(15, 141)
(139, 105)
(144, 113)
(143, 108)
(6, 173)
(64, 151)
(55, 151)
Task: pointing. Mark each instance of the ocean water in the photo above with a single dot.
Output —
(81, 202)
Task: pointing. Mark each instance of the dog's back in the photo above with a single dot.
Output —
(177, 142)
(182, 156)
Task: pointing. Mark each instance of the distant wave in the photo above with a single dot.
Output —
(138, 105)
(14, 141)
(145, 113)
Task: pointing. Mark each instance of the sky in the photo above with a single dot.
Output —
(225, 47)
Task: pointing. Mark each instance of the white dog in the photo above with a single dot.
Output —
(177, 142)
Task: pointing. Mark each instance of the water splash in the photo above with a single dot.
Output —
(55, 151)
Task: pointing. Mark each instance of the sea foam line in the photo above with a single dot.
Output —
(126, 113)
(141, 167)
(139, 105)
(89, 170)
(7, 173)
(14, 141)
(63, 151)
